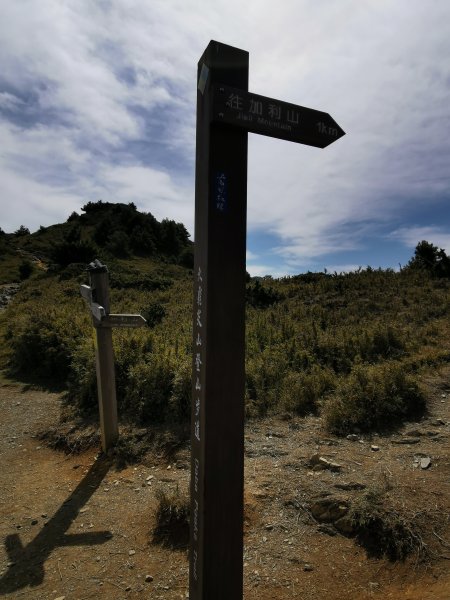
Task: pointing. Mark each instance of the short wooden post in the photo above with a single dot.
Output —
(104, 356)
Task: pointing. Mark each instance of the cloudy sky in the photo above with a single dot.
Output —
(97, 101)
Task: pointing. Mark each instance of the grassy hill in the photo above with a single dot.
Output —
(350, 347)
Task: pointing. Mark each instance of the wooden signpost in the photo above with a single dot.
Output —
(97, 296)
(226, 112)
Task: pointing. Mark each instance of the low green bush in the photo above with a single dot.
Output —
(382, 530)
(302, 392)
(372, 398)
(172, 519)
(25, 269)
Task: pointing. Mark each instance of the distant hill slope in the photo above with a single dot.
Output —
(349, 347)
(104, 230)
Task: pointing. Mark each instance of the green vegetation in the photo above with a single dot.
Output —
(350, 347)
(384, 529)
(172, 520)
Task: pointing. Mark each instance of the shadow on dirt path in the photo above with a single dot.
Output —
(26, 563)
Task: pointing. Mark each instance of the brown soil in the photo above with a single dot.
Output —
(75, 526)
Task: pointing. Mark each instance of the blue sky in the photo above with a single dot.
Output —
(97, 101)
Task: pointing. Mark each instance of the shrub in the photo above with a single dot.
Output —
(172, 520)
(68, 252)
(41, 350)
(150, 387)
(153, 314)
(186, 258)
(371, 398)
(260, 296)
(382, 530)
(119, 244)
(25, 269)
(22, 231)
(82, 381)
(179, 408)
(302, 391)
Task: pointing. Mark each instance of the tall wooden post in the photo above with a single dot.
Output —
(104, 356)
(216, 556)
(226, 112)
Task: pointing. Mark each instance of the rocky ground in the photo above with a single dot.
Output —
(7, 291)
(78, 526)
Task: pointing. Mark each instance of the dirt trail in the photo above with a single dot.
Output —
(74, 526)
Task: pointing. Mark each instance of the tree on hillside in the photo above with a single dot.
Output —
(429, 257)
(72, 249)
(22, 231)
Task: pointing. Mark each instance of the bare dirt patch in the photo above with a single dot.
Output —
(78, 526)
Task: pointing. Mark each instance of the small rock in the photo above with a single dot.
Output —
(44, 515)
(425, 462)
(308, 567)
(353, 437)
(148, 578)
(264, 539)
(60, 598)
(150, 477)
(131, 552)
(374, 448)
(414, 433)
(351, 485)
(128, 588)
(319, 463)
(269, 527)
(34, 522)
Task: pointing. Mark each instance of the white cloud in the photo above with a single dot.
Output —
(251, 256)
(411, 236)
(151, 190)
(10, 101)
(264, 270)
(32, 204)
(96, 76)
(342, 268)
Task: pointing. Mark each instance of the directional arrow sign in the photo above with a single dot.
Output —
(98, 311)
(123, 321)
(86, 292)
(273, 118)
